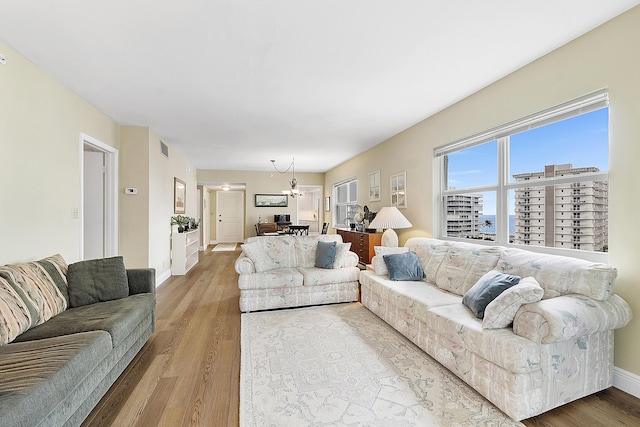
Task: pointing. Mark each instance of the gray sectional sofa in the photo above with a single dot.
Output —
(67, 334)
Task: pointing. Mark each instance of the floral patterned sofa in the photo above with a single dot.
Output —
(556, 350)
(279, 271)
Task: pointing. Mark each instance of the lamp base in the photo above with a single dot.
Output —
(390, 238)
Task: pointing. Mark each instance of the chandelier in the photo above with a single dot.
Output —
(293, 182)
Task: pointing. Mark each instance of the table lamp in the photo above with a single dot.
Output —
(389, 218)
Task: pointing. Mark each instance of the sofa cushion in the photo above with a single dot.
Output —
(342, 249)
(281, 249)
(379, 265)
(325, 254)
(404, 266)
(15, 314)
(117, 317)
(456, 324)
(37, 286)
(261, 260)
(559, 275)
(501, 311)
(36, 377)
(464, 264)
(97, 280)
(431, 253)
(486, 290)
(57, 269)
(278, 278)
(314, 276)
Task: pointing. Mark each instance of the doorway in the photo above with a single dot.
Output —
(99, 213)
(309, 207)
(229, 216)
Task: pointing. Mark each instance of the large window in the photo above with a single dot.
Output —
(540, 181)
(345, 196)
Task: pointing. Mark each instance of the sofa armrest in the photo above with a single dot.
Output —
(141, 280)
(352, 259)
(244, 265)
(570, 316)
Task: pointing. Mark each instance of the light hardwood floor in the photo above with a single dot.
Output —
(188, 373)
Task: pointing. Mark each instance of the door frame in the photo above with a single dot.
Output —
(110, 194)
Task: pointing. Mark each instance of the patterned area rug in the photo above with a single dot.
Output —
(224, 247)
(341, 365)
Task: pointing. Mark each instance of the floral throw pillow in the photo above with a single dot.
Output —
(259, 257)
(502, 310)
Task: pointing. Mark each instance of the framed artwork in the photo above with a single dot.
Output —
(374, 186)
(327, 204)
(272, 200)
(179, 196)
(399, 190)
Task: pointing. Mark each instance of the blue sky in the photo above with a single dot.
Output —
(581, 141)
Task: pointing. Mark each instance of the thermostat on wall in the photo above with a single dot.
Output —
(130, 191)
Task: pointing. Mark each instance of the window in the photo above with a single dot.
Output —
(345, 195)
(523, 170)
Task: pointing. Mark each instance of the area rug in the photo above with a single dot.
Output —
(341, 365)
(224, 247)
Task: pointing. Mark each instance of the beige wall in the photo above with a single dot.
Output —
(256, 183)
(606, 57)
(145, 231)
(40, 126)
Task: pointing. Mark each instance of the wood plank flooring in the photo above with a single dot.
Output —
(188, 373)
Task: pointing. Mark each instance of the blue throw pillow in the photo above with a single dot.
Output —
(404, 266)
(325, 254)
(486, 289)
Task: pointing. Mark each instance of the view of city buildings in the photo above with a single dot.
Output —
(464, 215)
(572, 215)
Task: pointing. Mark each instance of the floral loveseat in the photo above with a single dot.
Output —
(280, 271)
(557, 349)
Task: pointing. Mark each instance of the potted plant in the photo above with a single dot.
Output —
(193, 224)
(181, 221)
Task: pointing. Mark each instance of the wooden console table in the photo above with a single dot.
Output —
(362, 243)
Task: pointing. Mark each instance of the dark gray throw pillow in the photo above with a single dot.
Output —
(97, 280)
(404, 266)
(325, 254)
(486, 289)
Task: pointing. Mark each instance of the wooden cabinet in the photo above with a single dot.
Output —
(362, 243)
(184, 252)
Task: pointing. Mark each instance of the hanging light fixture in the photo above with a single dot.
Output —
(293, 182)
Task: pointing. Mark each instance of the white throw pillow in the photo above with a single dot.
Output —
(379, 265)
(259, 257)
(501, 311)
(342, 249)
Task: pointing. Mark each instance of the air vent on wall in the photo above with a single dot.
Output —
(165, 149)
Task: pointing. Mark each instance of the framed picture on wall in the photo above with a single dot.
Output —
(179, 196)
(399, 190)
(272, 200)
(327, 203)
(374, 186)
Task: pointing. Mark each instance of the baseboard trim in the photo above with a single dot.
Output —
(163, 278)
(626, 381)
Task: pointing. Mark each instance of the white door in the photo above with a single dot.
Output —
(93, 204)
(230, 216)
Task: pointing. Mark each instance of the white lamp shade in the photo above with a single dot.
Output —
(390, 217)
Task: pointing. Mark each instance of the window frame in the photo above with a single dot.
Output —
(353, 202)
(503, 186)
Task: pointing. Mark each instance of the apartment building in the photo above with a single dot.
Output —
(571, 215)
(464, 215)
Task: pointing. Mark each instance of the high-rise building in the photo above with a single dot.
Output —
(464, 215)
(572, 215)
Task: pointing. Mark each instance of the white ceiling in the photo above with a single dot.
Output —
(232, 84)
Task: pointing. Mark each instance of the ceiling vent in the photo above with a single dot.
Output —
(164, 149)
